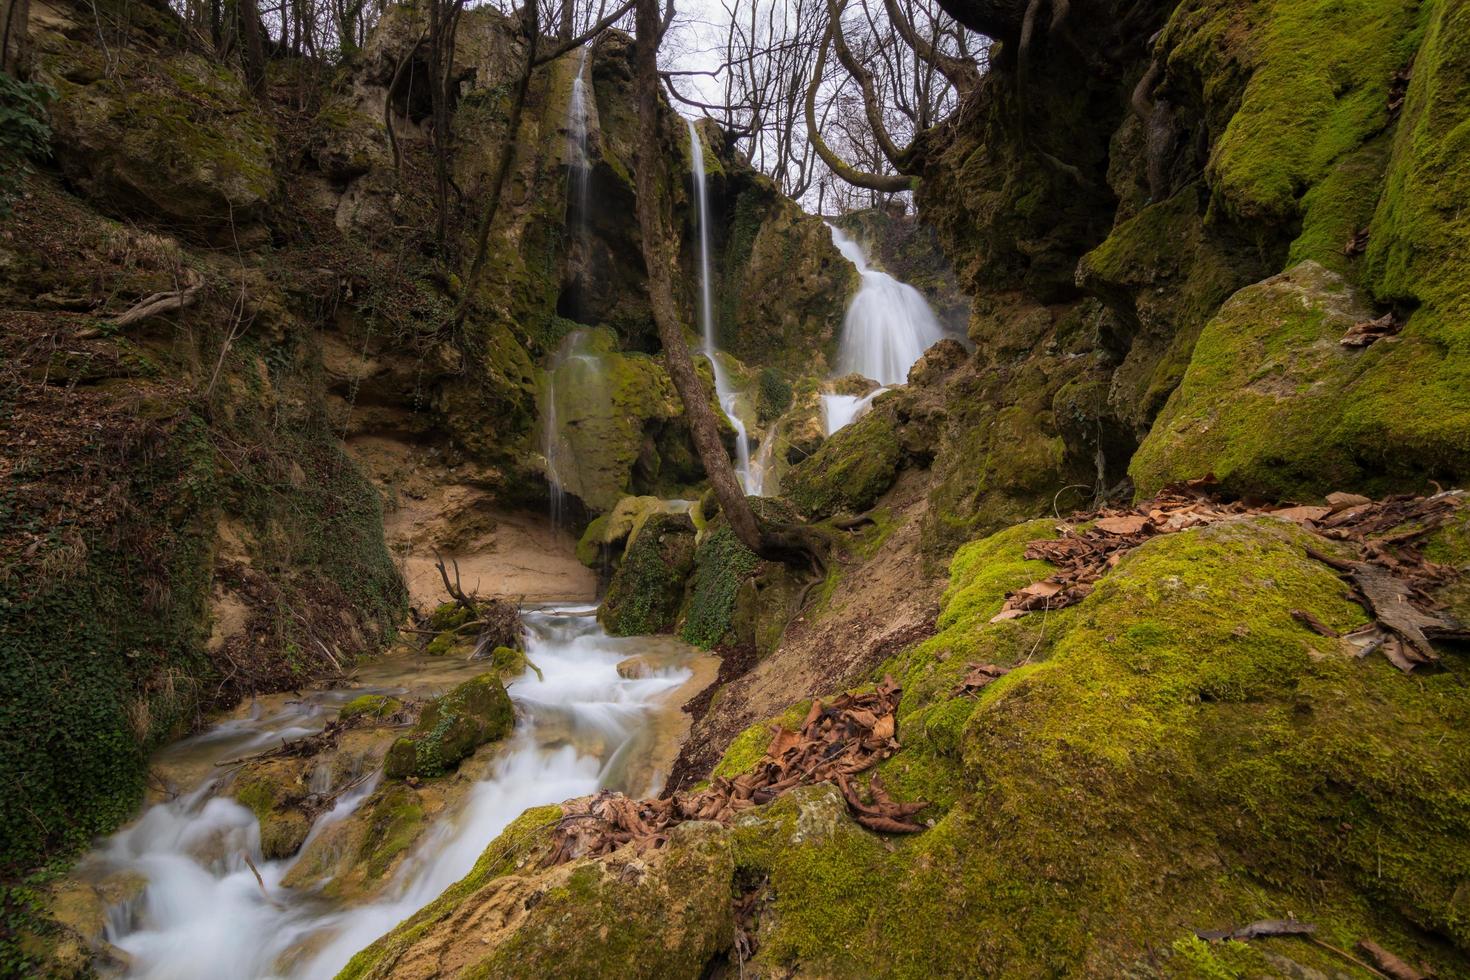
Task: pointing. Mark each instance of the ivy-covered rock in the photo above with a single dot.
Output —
(451, 727)
(647, 590)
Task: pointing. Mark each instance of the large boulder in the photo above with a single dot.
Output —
(451, 728)
(1274, 404)
(647, 590)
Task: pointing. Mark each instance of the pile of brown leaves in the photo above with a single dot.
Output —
(839, 739)
(1390, 577)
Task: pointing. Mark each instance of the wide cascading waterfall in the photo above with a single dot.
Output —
(581, 727)
(727, 396)
(887, 328)
(888, 325)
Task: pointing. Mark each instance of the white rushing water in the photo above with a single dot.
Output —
(887, 328)
(839, 410)
(888, 325)
(579, 163)
(749, 480)
(581, 728)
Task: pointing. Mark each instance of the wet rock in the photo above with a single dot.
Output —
(452, 727)
(647, 590)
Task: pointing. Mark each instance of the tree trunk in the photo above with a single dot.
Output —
(14, 15)
(790, 544)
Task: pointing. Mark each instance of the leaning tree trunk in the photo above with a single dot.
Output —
(656, 257)
(14, 18)
(785, 543)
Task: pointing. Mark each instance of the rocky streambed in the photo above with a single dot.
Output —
(256, 858)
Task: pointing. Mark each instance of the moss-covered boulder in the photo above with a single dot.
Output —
(608, 406)
(647, 590)
(160, 134)
(721, 566)
(666, 913)
(1273, 404)
(1176, 752)
(272, 791)
(369, 708)
(451, 727)
(850, 471)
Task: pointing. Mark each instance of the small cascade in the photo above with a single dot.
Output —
(761, 467)
(839, 410)
(887, 328)
(581, 727)
(726, 394)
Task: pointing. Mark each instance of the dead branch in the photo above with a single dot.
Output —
(157, 304)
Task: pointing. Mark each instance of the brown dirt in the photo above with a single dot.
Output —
(883, 604)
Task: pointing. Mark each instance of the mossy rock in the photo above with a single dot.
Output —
(1273, 404)
(168, 135)
(451, 727)
(369, 708)
(664, 914)
(1176, 752)
(270, 791)
(647, 590)
(721, 566)
(851, 470)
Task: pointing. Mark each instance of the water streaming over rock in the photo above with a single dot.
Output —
(727, 395)
(579, 183)
(582, 727)
(887, 328)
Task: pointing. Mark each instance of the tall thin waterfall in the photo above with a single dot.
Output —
(579, 181)
(579, 163)
(748, 481)
(888, 324)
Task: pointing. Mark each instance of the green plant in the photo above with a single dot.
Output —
(25, 132)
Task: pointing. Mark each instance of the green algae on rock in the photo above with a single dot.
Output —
(451, 727)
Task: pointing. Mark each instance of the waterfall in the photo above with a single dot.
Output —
(888, 324)
(577, 369)
(579, 183)
(748, 481)
(579, 162)
(888, 327)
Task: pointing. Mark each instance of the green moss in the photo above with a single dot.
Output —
(449, 616)
(647, 590)
(1272, 404)
(451, 727)
(749, 747)
(1179, 753)
(369, 707)
(721, 564)
(1318, 92)
(666, 914)
(851, 471)
(396, 818)
(590, 545)
(267, 794)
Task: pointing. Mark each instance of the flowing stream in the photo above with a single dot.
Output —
(887, 328)
(202, 913)
(749, 479)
